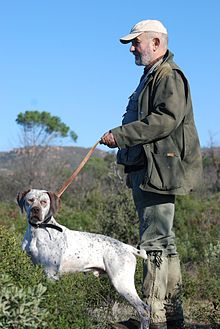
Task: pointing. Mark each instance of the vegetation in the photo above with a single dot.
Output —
(16, 304)
(41, 128)
(39, 131)
(98, 201)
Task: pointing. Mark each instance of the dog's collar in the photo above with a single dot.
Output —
(46, 224)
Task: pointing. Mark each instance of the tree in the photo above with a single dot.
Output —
(40, 131)
(41, 128)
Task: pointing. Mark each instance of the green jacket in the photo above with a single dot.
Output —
(166, 129)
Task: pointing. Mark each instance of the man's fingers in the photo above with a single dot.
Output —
(109, 140)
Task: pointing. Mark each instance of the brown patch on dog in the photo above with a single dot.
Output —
(21, 199)
(55, 202)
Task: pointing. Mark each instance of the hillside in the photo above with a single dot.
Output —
(71, 156)
(36, 163)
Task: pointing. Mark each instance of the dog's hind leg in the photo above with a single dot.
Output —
(127, 289)
(123, 281)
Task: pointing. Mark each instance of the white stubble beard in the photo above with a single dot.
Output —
(144, 59)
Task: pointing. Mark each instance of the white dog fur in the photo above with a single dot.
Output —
(60, 250)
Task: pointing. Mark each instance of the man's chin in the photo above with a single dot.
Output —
(138, 62)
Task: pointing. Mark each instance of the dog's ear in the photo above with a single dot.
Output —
(55, 202)
(21, 199)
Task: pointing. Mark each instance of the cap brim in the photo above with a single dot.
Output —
(129, 37)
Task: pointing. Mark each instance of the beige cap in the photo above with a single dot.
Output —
(144, 26)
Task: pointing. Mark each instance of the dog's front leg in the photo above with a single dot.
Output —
(51, 274)
(26, 242)
(145, 323)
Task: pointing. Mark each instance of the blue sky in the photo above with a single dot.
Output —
(64, 57)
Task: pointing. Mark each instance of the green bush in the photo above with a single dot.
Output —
(19, 307)
(15, 262)
(78, 301)
(80, 220)
(71, 301)
(197, 225)
(11, 218)
(117, 217)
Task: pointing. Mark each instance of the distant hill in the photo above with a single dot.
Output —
(69, 155)
(49, 167)
(72, 156)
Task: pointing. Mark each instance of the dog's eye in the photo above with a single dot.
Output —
(43, 203)
(30, 200)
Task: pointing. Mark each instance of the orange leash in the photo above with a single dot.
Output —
(76, 171)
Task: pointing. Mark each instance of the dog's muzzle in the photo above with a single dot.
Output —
(35, 219)
(35, 215)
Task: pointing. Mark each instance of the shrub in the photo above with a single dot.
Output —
(20, 308)
(11, 218)
(15, 262)
(117, 217)
(197, 230)
(196, 225)
(81, 220)
(78, 301)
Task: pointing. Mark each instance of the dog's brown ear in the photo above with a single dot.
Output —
(21, 199)
(55, 202)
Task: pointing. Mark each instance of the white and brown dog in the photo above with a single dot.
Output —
(60, 250)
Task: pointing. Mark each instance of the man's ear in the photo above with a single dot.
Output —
(21, 199)
(156, 43)
(55, 202)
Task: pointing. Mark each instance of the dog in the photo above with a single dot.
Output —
(61, 250)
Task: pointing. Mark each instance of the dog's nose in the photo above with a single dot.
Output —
(35, 210)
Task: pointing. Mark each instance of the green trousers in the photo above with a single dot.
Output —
(162, 280)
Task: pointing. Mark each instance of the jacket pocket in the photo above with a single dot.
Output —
(166, 172)
(132, 156)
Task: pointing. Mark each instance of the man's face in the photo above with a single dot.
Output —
(142, 49)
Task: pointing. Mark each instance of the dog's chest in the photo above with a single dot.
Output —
(46, 248)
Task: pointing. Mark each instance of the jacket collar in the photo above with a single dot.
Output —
(165, 58)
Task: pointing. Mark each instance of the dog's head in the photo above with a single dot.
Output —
(38, 204)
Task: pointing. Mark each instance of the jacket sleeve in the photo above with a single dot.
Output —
(166, 113)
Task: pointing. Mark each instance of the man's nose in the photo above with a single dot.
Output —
(132, 48)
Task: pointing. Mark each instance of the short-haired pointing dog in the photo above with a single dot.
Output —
(60, 250)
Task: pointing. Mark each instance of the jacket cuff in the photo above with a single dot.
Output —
(118, 137)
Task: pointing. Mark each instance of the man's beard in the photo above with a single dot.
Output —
(143, 59)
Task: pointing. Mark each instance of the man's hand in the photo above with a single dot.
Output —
(108, 139)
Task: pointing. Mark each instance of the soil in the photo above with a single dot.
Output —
(134, 324)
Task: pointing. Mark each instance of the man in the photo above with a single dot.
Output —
(159, 148)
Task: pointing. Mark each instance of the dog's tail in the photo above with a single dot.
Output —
(139, 252)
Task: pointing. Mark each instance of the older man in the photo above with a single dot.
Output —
(159, 148)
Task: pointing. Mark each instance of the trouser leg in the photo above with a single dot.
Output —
(161, 273)
(156, 214)
(173, 298)
(162, 287)
(155, 285)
